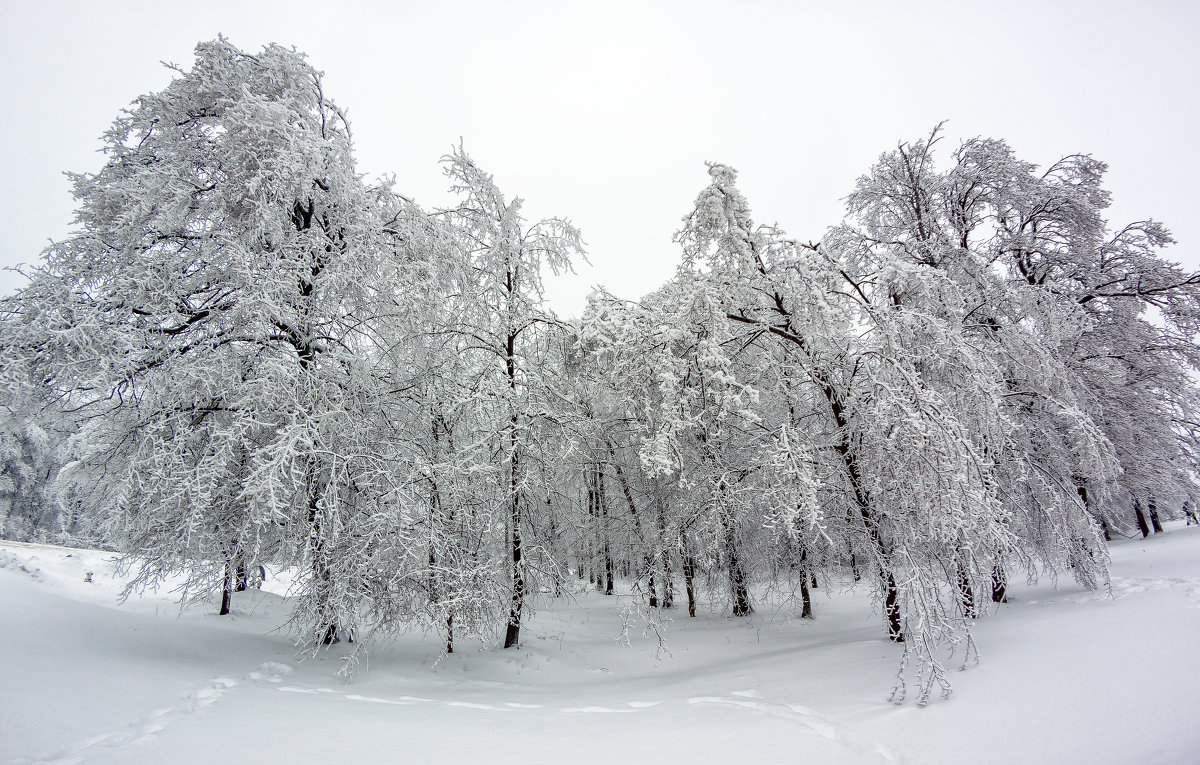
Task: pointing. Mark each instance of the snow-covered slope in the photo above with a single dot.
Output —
(1066, 676)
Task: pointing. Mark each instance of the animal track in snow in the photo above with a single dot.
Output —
(146, 727)
(823, 727)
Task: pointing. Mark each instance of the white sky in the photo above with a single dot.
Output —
(605, 112)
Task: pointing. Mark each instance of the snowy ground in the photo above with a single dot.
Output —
(1066, 677)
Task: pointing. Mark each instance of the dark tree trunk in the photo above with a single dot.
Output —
(1083, 495)
(1141, 519)
(689, 575)
(737, 576)
(512, 632)
(806, 611)
(806, 599)
(227, 590)
(322, 576)
(599, 505)
(741, 596)
(854, 568)
(608, 570)
(668, 587)
(891, 608)
(240, 580)
(450, 633)
(999, 584)
(1153, 508)
(738, 591)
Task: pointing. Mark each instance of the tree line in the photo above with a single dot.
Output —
(247, 353)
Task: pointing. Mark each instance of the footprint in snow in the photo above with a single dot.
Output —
(823, 727)
(148, 726)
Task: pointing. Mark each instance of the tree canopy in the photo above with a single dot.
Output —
(246, 352)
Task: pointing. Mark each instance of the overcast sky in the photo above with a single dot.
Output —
(605, 112)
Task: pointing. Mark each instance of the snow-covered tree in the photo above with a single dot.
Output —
(502, 322)
(209, 316)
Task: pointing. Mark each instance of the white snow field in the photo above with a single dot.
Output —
(1066, 676)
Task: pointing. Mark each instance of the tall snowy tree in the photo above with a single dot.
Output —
(502, 317)
(208, 318)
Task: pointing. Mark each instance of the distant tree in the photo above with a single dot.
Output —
(30, 457)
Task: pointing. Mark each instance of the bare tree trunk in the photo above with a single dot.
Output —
(240, 577)
(668, 588)
(608, 569)
(602, 498)
(322, 577)
(227, 590)
(806, 611)
(1141, 519)
(891, 608)
(559, 576)
(1153, 508)
(737, 576)
(689, 574)
(512, 633)
(664, 558)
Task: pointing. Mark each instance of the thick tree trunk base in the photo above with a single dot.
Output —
(806, 611)
(227, 591)
(1141, 520)
(1154, 522)
(512, 635)
(689, 573)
